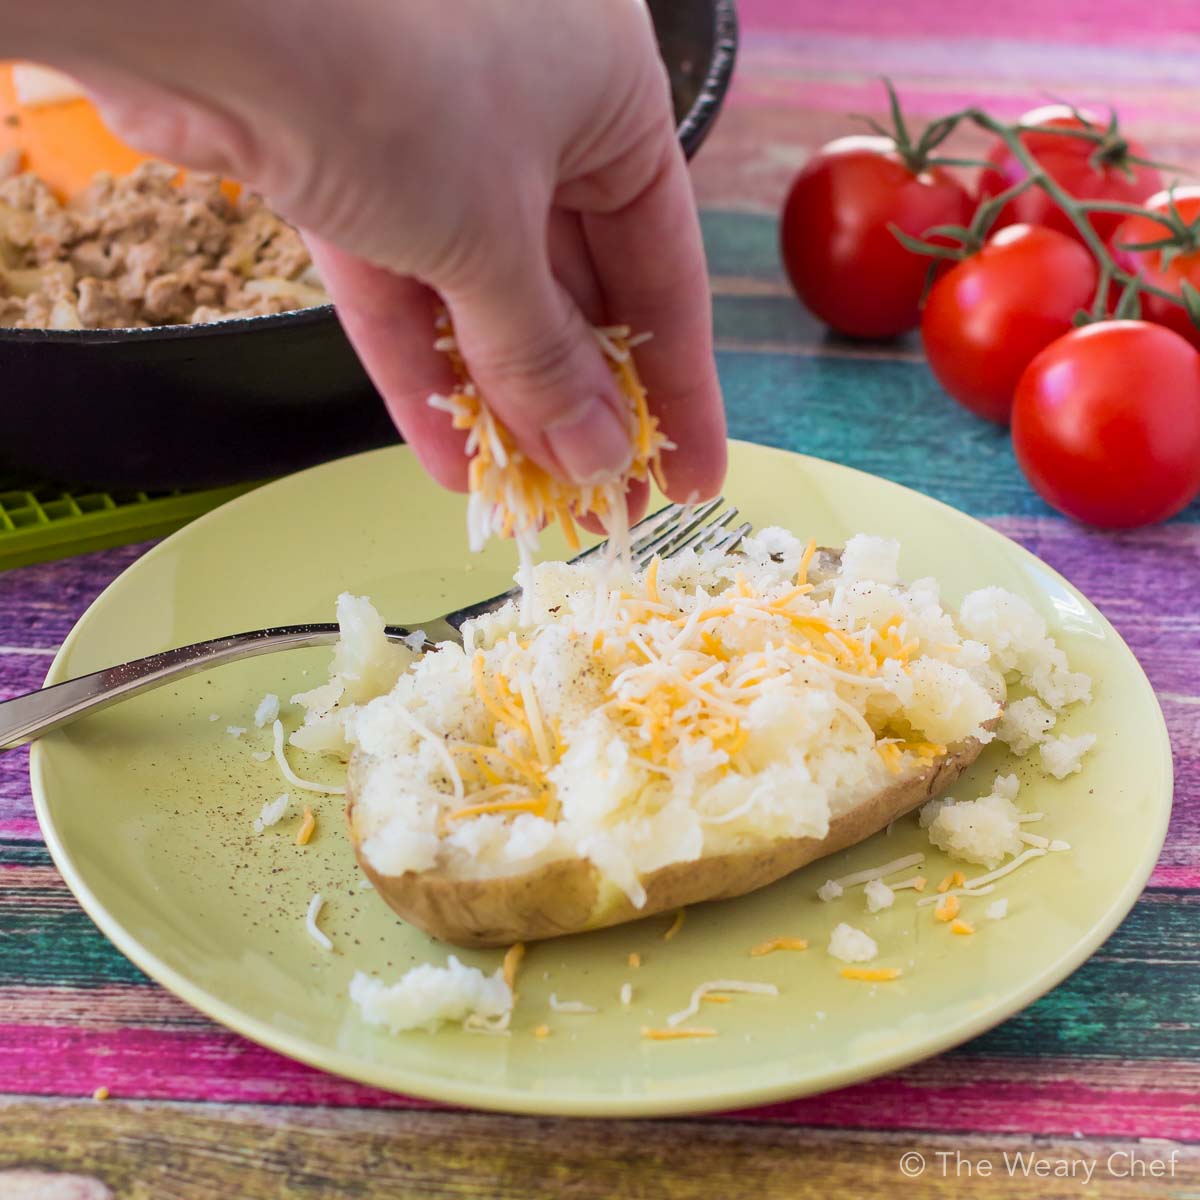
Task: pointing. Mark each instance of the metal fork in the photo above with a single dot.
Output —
(665, 533)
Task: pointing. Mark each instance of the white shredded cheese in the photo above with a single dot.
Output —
(830, 890)
(997, 910)
(890, 868)
(735, 986)
(985, 890)
(570, 1006)
(306, 785)
(975, 884)
(261, 755)
(626, 994)
(310, 922)
(235, 731)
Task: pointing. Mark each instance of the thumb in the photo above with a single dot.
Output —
(537, 362)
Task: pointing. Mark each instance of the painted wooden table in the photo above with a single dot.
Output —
(1099, 1072)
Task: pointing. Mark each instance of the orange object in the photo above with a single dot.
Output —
(65, 142)
(307, 828)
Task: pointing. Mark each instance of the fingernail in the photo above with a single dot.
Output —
(594, 446)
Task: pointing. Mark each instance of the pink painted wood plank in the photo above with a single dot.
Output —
(1038, 1097)
(1101, 21)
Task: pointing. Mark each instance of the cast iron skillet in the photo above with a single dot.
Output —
(203, 405)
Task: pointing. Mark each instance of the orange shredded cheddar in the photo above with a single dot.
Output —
(946, 884)
(101, 1093)
(872, 974)
(713, 998)
(947, 909)
(920, 884)
(805, 559)
(512, 962)
(957, 879)
(533, 805)
(779, 943)
(676, 925)
(519, 497)
(670, 1035)
(541, 1031)
(307, 827)
(652, 579)
(634, 959)
(963, 927)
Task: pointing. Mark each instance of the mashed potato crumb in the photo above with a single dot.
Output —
(427, 996)
(1062, 756)
(852, 945)
(1025, 724)
(641, 720)
(879, 895)
(980, 831)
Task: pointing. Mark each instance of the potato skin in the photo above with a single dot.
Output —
(566, 896)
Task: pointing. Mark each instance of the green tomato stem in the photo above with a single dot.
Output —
(1075, 210)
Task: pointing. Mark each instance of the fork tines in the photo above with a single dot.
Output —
(703, 527)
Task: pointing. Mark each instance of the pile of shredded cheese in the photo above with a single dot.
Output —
(639, 721)
(511, 496)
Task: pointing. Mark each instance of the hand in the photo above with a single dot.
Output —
(517, 161)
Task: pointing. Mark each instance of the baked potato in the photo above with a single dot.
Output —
(571, 896)
(566, 771)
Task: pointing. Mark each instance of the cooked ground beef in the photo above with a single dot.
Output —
(139, 250)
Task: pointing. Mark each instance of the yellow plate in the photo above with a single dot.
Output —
(147, 810)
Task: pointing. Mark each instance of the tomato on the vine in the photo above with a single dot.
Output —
(841, 256)
(990, 315)
(1086, 171)
(1106, 423)
(1166, 268)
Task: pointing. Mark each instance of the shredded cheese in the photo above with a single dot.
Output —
(872, 974)
(964, 891)
(541, 1031)
(510, 496)
(310, 922)
(735, 986)
(634, 959)
(101, 1093)
(307, 826)
(891, 868)
(570, 1006)
(961, 926)
(948, 909)
(512, 962)
(670, 1035)
(974, 885)
(306, 785)
(778, 943)
(626, 994)
(676, 925)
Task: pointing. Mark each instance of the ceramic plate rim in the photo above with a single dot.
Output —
(498, 1098)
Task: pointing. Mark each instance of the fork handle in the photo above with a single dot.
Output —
(27, 717)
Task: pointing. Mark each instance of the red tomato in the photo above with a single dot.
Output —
(842, 259)
(1149, 264)
(1106, 423)
(987, 318)
(1066, 159)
